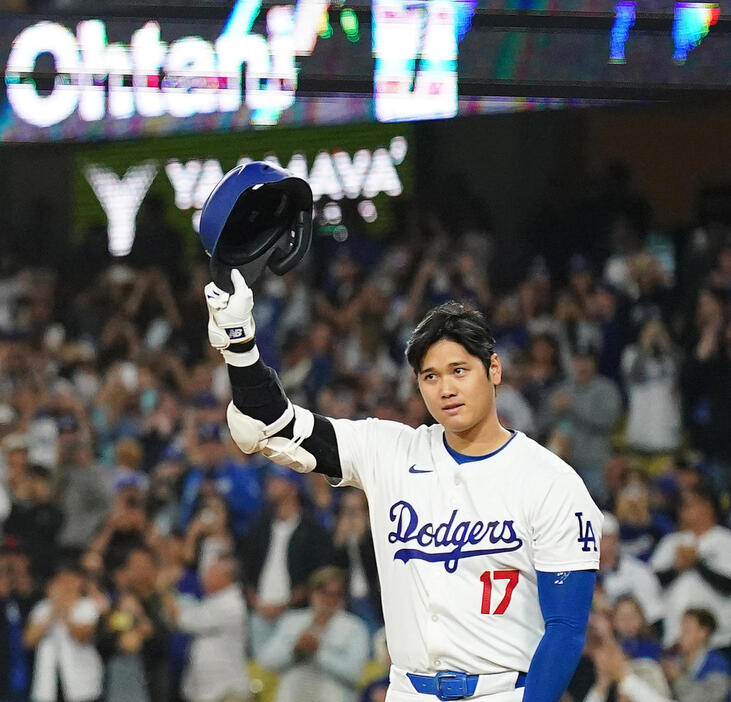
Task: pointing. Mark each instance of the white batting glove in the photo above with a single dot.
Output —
(229, 316)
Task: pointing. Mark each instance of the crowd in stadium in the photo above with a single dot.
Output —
(145, 558)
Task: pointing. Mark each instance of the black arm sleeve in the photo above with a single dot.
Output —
(716, 580)
(257, 392)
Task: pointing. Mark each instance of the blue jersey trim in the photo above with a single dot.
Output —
(463, 458)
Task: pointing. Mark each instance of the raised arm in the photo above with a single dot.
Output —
(260, 416)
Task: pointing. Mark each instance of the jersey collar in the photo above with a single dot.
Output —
(463, 458)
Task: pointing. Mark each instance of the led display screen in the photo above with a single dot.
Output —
(250, 64)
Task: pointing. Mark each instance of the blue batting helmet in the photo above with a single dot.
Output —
(258, 214)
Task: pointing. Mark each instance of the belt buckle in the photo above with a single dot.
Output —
(456, 681)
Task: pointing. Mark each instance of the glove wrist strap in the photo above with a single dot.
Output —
(234, 355)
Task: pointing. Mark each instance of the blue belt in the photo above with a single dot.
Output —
(448, 685)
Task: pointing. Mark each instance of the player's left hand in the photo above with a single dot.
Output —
(230, 319)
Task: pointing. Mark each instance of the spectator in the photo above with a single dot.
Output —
(209, 534)
(607, 309)
(125, 529)
(616, 470)
(217, 625)
(14, 664)
(138, 577)
(376, 690)
(321, 369)
(622, 575)
(61, 628)
(280, 552)
(161, 426)
(651, 296)
(128, 454)
(544, 370)
(163, 499)
(237, 481)
(177, 577)
(36, 524)
(84, 495)
(14, 486)
(24, 588)
(320, 651)
(697, 674)
(641, 680)
(640, 526)
(354, 553)
(651, 369)
(508, 329)
(115, 411)
(584, 410)
(694, 566)
(705, 378)
(632, 630)
(514, 411)
(123, 634)
(682, 472)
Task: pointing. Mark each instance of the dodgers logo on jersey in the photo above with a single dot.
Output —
(457, 535)
(586, 533)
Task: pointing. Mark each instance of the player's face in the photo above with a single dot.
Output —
(456, 388)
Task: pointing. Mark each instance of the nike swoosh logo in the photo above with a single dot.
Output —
(414, 469)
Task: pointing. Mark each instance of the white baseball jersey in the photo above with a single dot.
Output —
(458, 545)
(689, 589)
(635, 578)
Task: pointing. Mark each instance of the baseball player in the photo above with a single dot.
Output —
(487, 544)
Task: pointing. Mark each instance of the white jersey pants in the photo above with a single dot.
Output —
(508, 696)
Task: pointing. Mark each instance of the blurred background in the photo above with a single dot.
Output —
(563, 166)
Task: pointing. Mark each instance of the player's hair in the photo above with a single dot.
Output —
(453, 321)
(704, 618)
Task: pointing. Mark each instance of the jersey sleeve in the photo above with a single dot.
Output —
(364, 447)
(566, 527)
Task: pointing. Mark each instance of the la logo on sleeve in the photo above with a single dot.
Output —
(586, 533)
